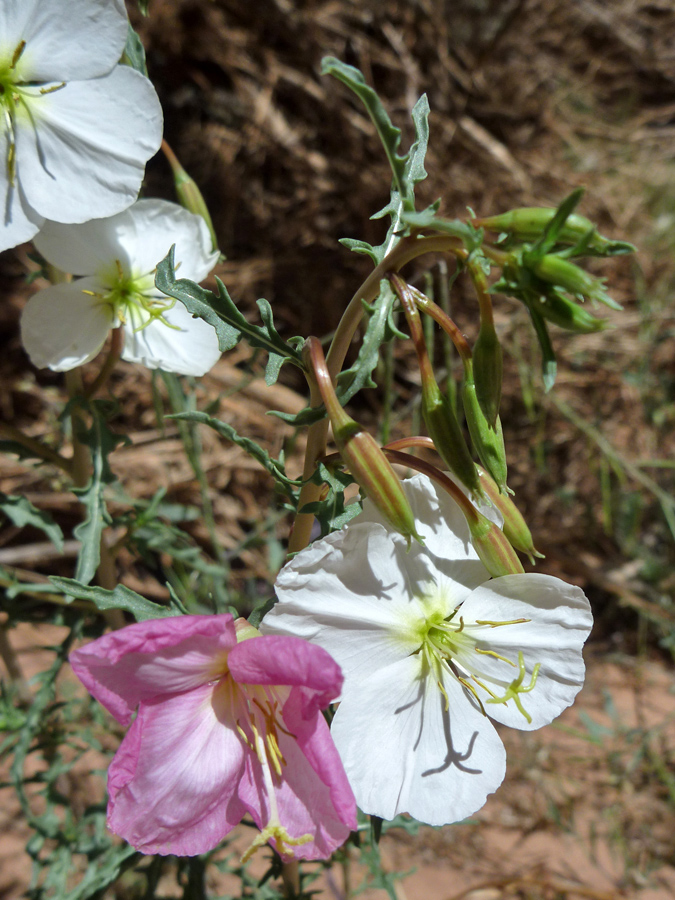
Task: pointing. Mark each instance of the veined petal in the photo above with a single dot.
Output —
(64, 41)
(63, 327)
(312, 796)
(290, 661)
(173, 782)
(84, 150)
(153, 226)
(189, 347)
(558, 622)
(153, 659)
(19, 220)
(87, 248)
(351, 592)
(404, 752)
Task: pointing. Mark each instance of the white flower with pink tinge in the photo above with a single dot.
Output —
(223, 728)
(66, 325)
(76, 128)
(432, 651)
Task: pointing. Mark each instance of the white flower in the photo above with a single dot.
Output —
(431, 651)
(76, 129)
(65, 325)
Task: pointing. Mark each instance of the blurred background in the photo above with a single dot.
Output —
(529, 99)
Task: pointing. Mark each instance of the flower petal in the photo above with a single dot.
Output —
(313, 796)
(88, 248)
(173, 782)
(559, 620)
(277, 660)
(152, 226)
(189, 347)
(153, 658)
(350, 592)
(64, 41)
(63, 327)
(87, 157)
(19, 220)
(405, 753)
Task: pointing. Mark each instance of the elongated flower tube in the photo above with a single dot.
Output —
(222, 729)
(487, 438)
(515, 526)
(189, 195)
(433, 652)
(572, 278)
(65, 325)
(76, 128)
(360, 451)
(567, 314)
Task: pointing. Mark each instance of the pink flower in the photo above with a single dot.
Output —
(223, 729)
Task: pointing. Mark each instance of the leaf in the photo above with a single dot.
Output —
(21, 512)
(389, 135)
(134, 53)
(220, 311)
(472, 237)
(332, 513)
(362, 247)
(120, 598)
(357, 376)
(256, 616)
(273, 466)
(415, 171)
(18, 449)
(549, 366)
(101, 442)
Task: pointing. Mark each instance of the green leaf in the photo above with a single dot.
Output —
(362, 247)
(273, 466)
(388, 133)
(332, 513)
(414, 167)
(472, 237)
(256, 616)
(549, 366)
(220, 311)
(120, 598)
(358, 376)
(21, 512)
(134, 53)
(101, 442)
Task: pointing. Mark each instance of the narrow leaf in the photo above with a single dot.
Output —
(120, 598)
(21, 512)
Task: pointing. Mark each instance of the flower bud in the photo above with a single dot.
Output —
(363, 456)
(487, 371)
(446, 433)
(188, 194)
(568, 315)
(515, 527)
(571, 278)
(529, 223)
(488, 440)
(493, 547)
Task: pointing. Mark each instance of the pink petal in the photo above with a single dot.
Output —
(277, 660)
(153, 658)
(173, 782)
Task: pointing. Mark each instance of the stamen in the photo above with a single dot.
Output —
(52, 89)
(18, 51)
(497, 624)
(471, 688)
(516, 687)
(496, 656)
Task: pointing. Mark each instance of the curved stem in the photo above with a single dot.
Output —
(37, 447)
(443, 319)
(111, 360)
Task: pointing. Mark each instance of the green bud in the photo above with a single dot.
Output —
(446, 433)
(487, 371)
(528, 224)
(515, 527)
(493, 548)
(189, 195)
(567, 314)
(571, 278)
(374, 474)
(488, 440)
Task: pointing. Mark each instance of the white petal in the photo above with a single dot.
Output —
(19, 220)
(440, 522)
(559, 622)
(64, 41)
(87, 248)
(404, 753)
(154, 225)
(62, 327)
(93, 138)
(189, 348)
(355, 593)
